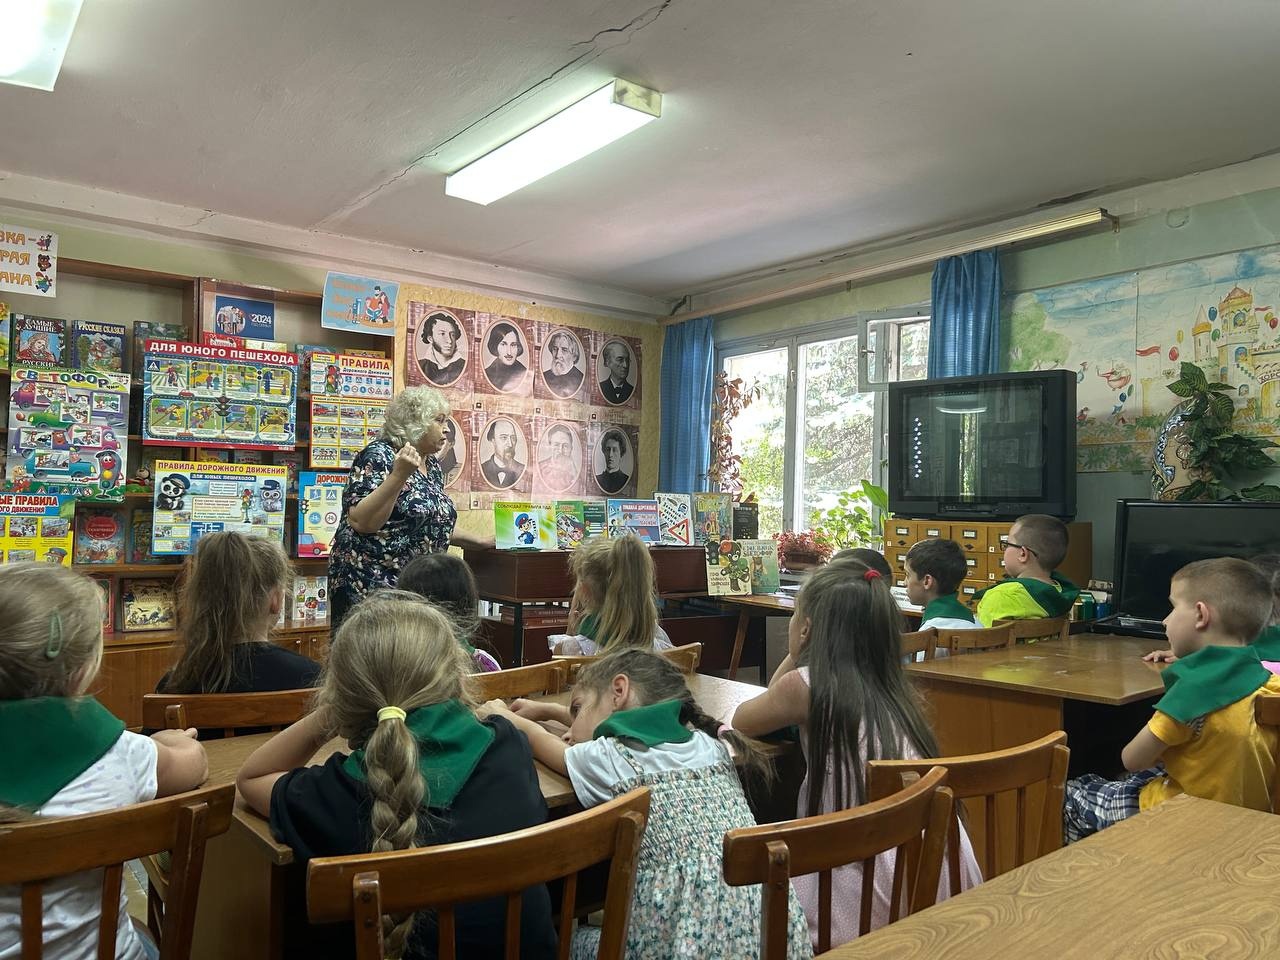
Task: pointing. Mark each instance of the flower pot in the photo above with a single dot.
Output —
(796, 561)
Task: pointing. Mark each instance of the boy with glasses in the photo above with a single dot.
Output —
(1037, 543)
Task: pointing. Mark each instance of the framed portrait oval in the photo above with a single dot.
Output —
(563, 363)
(453, 455)
(504, 453)
(559, 457)
(616, 371)
(505, 352)
(613, 461)
(440, 348)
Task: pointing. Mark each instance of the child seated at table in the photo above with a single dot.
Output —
(65, 754)
(635, 723)
(422, 770)
(447, 581)
(934, 571)
(1268, 644)
(872, 558)
(1037, 543)
(843, 683)
(1203, 734)
(614, 602)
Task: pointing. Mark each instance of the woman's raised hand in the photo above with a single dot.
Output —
(407, 461)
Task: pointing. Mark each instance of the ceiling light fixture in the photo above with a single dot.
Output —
(596, 120)
(34, 40)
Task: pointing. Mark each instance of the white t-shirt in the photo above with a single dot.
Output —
(124, 775)
(579, 646)
(596, 766)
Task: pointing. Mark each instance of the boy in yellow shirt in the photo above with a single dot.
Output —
(1037, 543)
(1203, 735)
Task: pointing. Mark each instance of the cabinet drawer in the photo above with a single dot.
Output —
(967, 590)
(932, 530)
(971, 537)
(899, 535)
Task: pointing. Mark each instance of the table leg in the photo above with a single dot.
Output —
(241, 900)
(739, 638)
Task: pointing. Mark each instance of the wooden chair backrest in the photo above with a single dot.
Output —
(1044, 628)
(982, 778)
(1266, 713)
(534, 680)
(228, 711)
(362, 888)
(686, 657)
(920, 644)
(39, 850)
(976, 640)
(913, 821)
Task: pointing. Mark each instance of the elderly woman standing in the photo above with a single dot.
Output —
(394, 507)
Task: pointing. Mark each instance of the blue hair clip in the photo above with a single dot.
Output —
(54, 646)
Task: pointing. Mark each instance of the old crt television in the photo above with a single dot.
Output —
(1154, 539)
(991, 447)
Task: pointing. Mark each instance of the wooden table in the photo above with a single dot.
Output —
(1191, 878)
(248, 874)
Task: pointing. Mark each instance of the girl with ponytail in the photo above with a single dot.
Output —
(614, 598)
(635, 723)
(422, 770)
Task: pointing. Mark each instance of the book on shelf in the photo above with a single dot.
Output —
(101, 535)
(728, 570)
(535, 614)
(634, 516)
(524, 524)
(140, 537)
(594, 516)
(712, 518)
(762, 560)
(311, 600)
(39, 341)
(675, 518)
(97, 346)
(105, 584)
(147, 604)
(746, 521)
(571, 526)
(144, 330)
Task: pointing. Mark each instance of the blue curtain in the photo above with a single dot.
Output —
(688, 355)
(964, 335)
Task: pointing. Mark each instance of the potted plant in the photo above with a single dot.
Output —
(728, 399)
(1197, 453)
(855, 519)
(803, 550)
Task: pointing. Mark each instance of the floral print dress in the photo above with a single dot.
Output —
(421, 522)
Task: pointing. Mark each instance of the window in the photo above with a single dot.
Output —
(818, 426)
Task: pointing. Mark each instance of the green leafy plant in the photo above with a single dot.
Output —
(728, 399)
(855, 519)
(1218, 454)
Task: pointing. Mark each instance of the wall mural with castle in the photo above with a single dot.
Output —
(1126, 335)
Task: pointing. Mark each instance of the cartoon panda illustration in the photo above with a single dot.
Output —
(172, 491)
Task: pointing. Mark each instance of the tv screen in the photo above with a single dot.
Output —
(1154, 539)
(994, 446)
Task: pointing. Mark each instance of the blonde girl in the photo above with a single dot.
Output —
(64, 753)
(421, 770)
(614, 598)
(635, 723)
(843, 684)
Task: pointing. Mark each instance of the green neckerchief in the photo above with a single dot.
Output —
(451, 742)
(949, 607)
(1210, 679)
(1055, 598)
(49, 742)
(588, 627)
(651, 725)
(1268, 643)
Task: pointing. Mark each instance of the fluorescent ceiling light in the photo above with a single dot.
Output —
(596, 120)
(33, 40)
(962, 410)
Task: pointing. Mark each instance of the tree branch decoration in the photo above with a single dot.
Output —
(728, 399)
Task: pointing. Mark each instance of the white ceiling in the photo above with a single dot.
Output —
(790, 128)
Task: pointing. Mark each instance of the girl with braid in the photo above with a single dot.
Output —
(422, 770)
(635, 723)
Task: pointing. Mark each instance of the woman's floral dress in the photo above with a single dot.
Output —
(421, 522)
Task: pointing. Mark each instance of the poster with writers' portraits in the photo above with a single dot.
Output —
(537, 408)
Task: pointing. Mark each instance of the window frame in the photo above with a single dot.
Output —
(859, 325)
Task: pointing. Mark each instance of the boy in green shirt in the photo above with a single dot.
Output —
(1037, 543)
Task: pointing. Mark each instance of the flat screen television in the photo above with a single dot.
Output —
(1154, 539)
(991, 447)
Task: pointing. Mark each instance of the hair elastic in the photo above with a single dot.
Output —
(391, 713)
(870, 575)
(54, 646)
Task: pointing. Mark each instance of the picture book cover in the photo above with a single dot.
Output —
(6, 319)
(140, 538)
(746, 521)
(524, 525)
(571, 528)
(147, 605)
(39, 341)
(305, 352)
(101, 535)
(712, 518)
(319, 510)
(104, 584)
(97, 346)
(310, 599)
(144, 330)
(594, 516)
(675, 518)
(634, 516)
(762, 559)
(728, 571)
(36, 526)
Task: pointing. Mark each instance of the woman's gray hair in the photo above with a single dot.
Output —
(410, 413)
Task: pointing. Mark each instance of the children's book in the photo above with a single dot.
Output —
(311, 599)
(319, 510)
(594, 515)
(712, 518)
(39, 341)
(205, 455)
(6, 319)
(350, 352)
(571, 528)
(144, 330)
(524, 526)
(146, 605)
(97, 346)
(248, 456)
(108, 602)
(634, 516)
(100, 535)
(746, 521)
(675, 518)
(140, 537)
(728, 571)
(304, 352)
(762, 558)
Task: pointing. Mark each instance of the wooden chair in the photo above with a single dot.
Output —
(920, 643)
(230, 712)
(533, 680)
(1044, 628)
(983, 778)
(914, 821)
(1266, 713)
(974, 641)
(362, 888)
(686, 657)
(37, 851)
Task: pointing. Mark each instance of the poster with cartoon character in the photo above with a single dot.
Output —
(523, 525)
(192, 499)
(28, 260)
